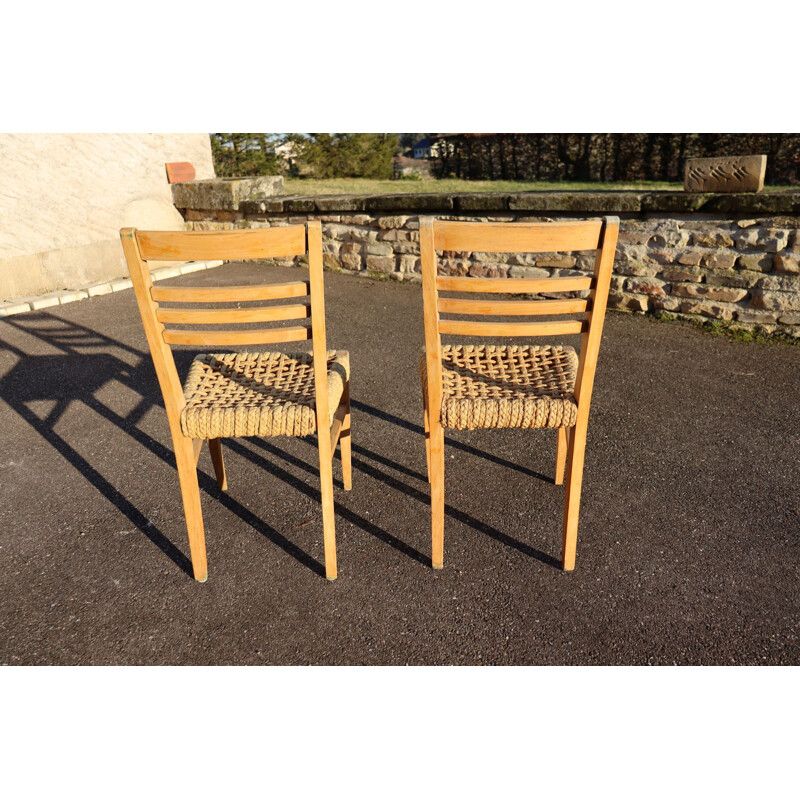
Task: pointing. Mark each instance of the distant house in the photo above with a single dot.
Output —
(422, 149)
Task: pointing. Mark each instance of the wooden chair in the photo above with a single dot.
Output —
(243, 394)
(482, 386)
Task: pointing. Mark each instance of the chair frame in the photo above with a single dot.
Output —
(599, 235)
(140, 247)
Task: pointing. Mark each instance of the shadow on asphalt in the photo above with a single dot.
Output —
(85, 365)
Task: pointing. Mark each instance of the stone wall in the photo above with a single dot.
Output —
(734, 258)
(64, 197)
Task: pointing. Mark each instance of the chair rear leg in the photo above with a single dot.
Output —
(344, 441)
(215, 448)
(572, 496)
(326, 492)
(436, 477)
(561, 456)
(190, 492)
(427, 426)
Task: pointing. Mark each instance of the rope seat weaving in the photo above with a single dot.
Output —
(487, 386)
(257, 394)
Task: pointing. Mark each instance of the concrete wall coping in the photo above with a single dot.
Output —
(599, 202)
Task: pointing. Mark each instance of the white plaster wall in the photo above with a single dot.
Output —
(64, 197)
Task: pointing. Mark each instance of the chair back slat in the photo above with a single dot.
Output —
(235, 316)
(283, 242)
(223, 338)
(469, 328)
(513, 285)
(538, 237)
(500, 308)
(228, 294)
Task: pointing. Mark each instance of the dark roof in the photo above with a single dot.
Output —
(426, 142)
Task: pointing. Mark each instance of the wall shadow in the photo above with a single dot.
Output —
(86, 364)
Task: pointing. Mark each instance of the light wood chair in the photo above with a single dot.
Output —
(469, 386)
(243, 394)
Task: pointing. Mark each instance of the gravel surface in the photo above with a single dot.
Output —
(688, 544)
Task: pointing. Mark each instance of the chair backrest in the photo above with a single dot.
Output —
(599, 235)
(283, 242)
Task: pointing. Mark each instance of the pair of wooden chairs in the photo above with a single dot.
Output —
(245, 394)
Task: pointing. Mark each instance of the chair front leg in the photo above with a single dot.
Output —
(344, 440)
(190, 493)
(572, 495)
(436, 477)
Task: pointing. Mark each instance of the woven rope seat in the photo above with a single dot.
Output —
(486, 386)
(257, 394)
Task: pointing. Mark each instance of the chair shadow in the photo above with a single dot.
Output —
(401, 423)
(76, 375)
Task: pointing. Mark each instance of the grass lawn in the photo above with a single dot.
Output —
(406, 186)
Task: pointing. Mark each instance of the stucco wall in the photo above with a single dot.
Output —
(64, 197)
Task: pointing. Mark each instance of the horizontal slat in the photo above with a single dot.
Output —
(450, 305)
(228, 294)
(222, 316)
(221, 338)
(289, 240)
(469, 328)
(513, 285)
(516, 237)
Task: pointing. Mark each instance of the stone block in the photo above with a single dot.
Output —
(564, 262)
(495, 258)
(392, 222)
(101, 287)
(528, 272)
(712, 239)
(485, 270)
(752, 317)
(673, 274)
(759, 262)
(723, 259)
(690, 258)
(125, 283)
(770, 240)
(15, 306)
(725, 174)
(790, 319)
(627, 302)
(225, 194)
(775, 301)
(45, 301)
(165, 272)
(409, 264)
(781, 283)
(376, 249)
(706, 308)
(378, 263)
(351, 261)
(723, 294)
(649, 286)
(666, 303)
(72, 295)
(733, 278)
(788, 263)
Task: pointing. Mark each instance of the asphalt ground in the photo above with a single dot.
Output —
(688, 542)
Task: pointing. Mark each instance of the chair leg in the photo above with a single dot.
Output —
(215, 448)
(436, 477)
(344, 441)
(190, 492)
(572, 496)
(561, 456)
(326, 492)
(427, 426)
